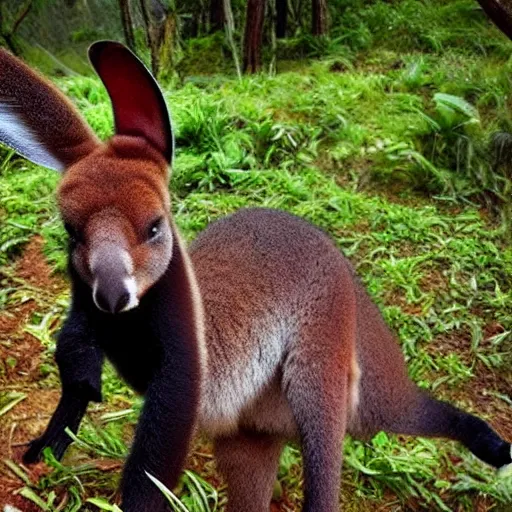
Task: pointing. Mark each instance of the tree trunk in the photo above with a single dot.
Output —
(152, 36)
(272, 68)
(319, 25)
(296, 9)
(194, 26)
(500, 12)
(147, 23)
(217, 15)
(282, 18)
(169, 46)
(203, 23)
(126, 20)
(253, 35)
(161, 33)
(230, 31)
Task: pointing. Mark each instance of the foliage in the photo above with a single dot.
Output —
(410, 25)
(398, 250)
(395, 138)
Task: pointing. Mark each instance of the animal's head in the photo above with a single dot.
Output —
(113, 195)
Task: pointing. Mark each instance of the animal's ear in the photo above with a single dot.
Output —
(138, 104)
(37, 120)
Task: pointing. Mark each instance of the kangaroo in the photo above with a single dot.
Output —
(259, 333)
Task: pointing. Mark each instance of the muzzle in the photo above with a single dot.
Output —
(114, 287)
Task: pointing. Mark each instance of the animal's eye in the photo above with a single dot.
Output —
(73, 234)
(155, 229)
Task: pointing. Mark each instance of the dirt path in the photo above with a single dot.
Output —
(20, 360)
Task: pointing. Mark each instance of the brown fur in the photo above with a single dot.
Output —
(45, 110)
(278, 298)
(123, 184)
(297, 349)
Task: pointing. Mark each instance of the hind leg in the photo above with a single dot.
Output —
(320, 407)
(248, 461)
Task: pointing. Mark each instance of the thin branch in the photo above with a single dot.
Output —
(22, 14)
(230, 29)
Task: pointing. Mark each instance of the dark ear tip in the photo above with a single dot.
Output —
(98, 48)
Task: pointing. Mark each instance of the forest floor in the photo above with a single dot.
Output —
(379, 146)
(30, 394)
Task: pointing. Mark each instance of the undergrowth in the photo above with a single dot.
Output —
(436, 275)
(384, 142)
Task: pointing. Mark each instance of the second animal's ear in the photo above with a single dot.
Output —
(37, 120)
(138, 104)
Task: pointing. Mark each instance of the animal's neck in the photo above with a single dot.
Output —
(167, 325)
(177, 296)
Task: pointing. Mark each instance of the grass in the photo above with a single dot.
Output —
(382, 142)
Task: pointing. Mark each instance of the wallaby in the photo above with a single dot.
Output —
(288, 345)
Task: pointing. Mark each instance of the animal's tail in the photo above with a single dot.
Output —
(429, 417)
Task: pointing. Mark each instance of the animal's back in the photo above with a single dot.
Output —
(276, 293)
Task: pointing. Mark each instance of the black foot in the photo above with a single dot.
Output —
(58, 443)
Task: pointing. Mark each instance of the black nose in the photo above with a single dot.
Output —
(112, 303)
(122, 302)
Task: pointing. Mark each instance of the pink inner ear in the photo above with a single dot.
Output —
(138, 105)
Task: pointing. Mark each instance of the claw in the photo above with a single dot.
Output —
(34, 452)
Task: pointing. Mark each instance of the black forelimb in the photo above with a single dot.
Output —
(69, 413)
(80, 362)
(161, 441)
(169, 415)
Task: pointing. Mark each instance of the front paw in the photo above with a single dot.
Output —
(34, 452)
(57, 443)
